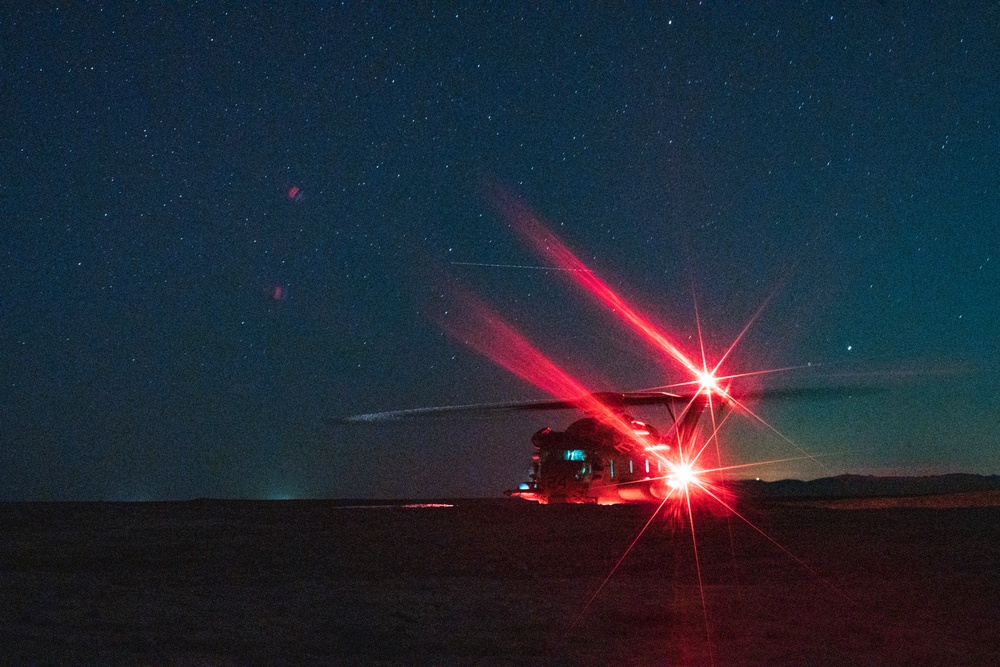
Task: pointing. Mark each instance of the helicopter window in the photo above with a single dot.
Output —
(574, 455)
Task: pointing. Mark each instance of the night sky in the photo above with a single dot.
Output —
(223, 225)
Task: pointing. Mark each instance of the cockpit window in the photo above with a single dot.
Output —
(574, 455)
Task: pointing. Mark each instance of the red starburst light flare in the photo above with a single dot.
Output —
(672, 471)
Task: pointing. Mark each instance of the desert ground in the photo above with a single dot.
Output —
(501, 582)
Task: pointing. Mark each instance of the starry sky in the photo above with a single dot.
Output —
(224, 224)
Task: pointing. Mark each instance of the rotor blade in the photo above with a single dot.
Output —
(806, 392)
(819, 393)
(608, 398)
(451, 410)
(611, 399)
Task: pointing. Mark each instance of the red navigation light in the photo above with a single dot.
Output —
(682, 476)
(708, 382)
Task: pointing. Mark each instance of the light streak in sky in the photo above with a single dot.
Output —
(531, 228)
(479, 327)
(514, 266)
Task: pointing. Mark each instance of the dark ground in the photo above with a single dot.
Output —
(495, 582)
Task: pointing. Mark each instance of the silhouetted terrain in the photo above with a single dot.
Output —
(868, 486)
(497, 582)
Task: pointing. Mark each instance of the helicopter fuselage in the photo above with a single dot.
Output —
(592, 462)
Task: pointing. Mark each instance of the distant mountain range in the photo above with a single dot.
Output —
(869, 486)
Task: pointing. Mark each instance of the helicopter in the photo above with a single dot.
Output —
(606, 457)
(607, 461)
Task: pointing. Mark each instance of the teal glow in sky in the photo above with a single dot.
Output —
(224, 224)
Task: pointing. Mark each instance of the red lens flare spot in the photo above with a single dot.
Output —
(276, 292)
(294, 194)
